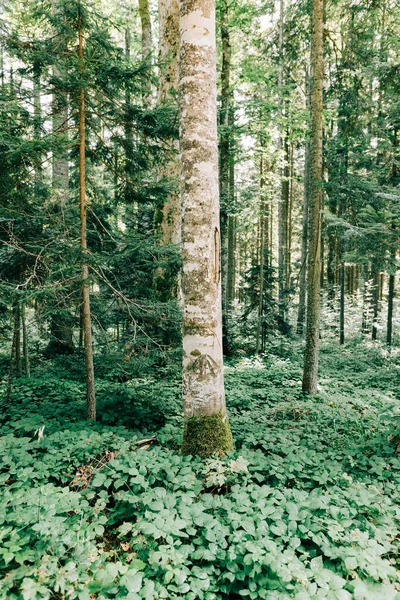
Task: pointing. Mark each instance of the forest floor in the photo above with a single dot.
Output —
(308, 506)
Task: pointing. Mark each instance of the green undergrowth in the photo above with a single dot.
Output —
(308, 505)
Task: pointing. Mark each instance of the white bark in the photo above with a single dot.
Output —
(203, 382)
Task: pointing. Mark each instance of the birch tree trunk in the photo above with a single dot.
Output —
(87, 321)
(207, 428)
(310, 373)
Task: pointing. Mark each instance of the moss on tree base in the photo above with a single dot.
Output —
(207, 435)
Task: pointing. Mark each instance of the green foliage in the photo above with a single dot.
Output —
(307, 507)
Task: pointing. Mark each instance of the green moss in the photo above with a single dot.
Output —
(207, 435)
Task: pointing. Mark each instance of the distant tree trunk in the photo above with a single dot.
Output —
(390, 309)
(283, 212)
(207, 428)
(25, 347)
(341, 302)
(290, 218)
(224, 169)
(310, 374)
(17, 321)
(168, 218)
(232, 220)
(61, 330)
(263, 244)
(145, 20)
(375, 302)
(231, 260)
(304, 243)
(304, 235)
(13, 353)
(364, 319)
(87, 321)
(37, 126)
(60, 170)
(283, 204)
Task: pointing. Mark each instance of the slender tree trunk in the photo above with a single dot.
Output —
(12, 357)
(389, 331)
(128, 131)
(263, 245)
(304, 243)
(284, 176)
(283, 212)
(206, 423)
(310, 374)
(230, 292)
(290, 219)
(375, 303)
(61, 331)
(232, 220)
(25, 347)
(364, 319)
(145, 20)
(341, 302)
(87, 321)
(169, 217)
(18, 362)
(224, 169)
(37, 126)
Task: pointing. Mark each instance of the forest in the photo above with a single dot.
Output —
(199, 317)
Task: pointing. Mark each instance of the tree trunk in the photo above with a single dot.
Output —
(37, 127)
(25, 347)
(263, 244)
(13, 352)
(87, 321)
(145, 20)
(375, 303)
(224, 169)
(304, 243)
(207, 428)
(364, 318)
(389, 331)
(290, 219)
(310, 374)
(341, 302)
(168, 218)
(60, 324)
(283, 212)
(17, 321)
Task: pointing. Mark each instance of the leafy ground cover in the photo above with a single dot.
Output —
(308, 506)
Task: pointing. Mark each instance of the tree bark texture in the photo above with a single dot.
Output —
(225, 172)
(168, 11)
(206, 424)
(145, 20)
(87, 321)
(310, 374)
(304, 244)
(25, 347)
(389, 331)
